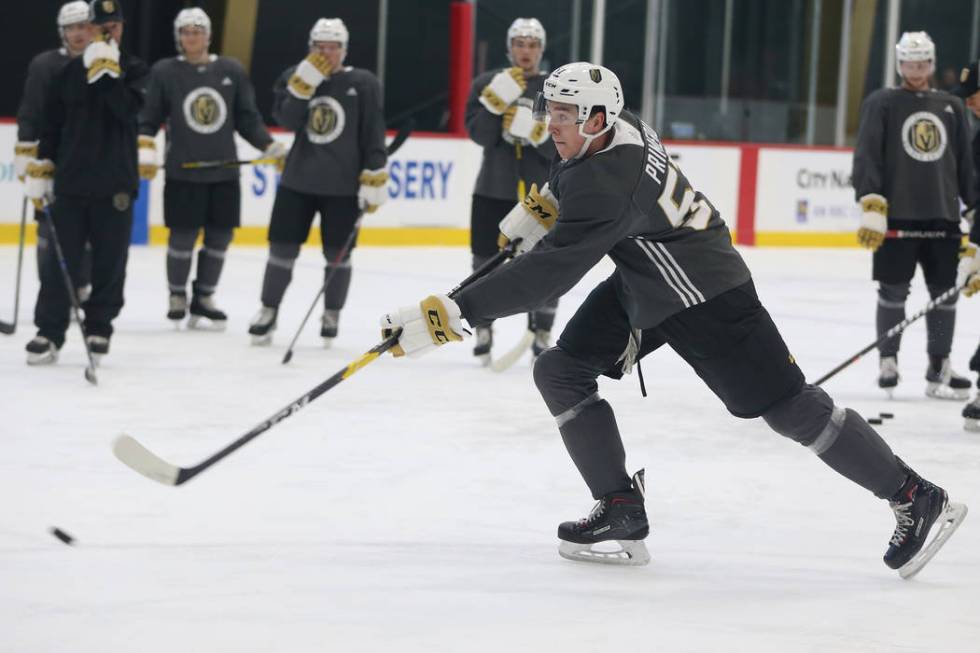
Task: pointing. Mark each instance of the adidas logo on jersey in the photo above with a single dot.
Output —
(352, 91)
(226, 81)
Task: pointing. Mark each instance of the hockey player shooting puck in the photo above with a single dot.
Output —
(874, 420)
(61, 535)
(886, 415)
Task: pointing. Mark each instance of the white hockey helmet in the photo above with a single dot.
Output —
(915, 46)
(529, 28)
(72, 13)
(192, 17)
(586, 86)
(329, 29)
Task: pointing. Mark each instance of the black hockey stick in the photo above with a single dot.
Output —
(938, 234)
(225, 163)
(396, 143)
(892, 332)
(8, 328)
(144, 461)
(70, 287)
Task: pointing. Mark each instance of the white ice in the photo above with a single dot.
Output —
(414, 507)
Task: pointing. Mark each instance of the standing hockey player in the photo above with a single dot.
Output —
(516, 153)
(336, 167)
(204, 99)
(75, 33)
(87, 150)
(678, 281)
(911, 162)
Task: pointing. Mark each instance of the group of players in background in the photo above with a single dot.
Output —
(88, 135)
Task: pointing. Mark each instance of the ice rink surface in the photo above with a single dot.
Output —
(414, 507)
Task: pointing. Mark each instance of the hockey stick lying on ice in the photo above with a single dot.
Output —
(228, 163)
(8, 328)
(396, 143)
(894, 331)
(147, 463)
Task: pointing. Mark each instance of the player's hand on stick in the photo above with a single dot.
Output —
(148, 162)
(277, 151)
(968, 273)
(529, 220)
(24, 151)
(429, 324)
(874, 221)
(505, 87)
(374, 189)
(309, 74)
(101, 58)
(39, 186)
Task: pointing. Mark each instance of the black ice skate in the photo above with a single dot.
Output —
(971, 415)
(177, 308)
(919, 507)
(888, 374)
(484, 341)
(614, 531)
(98, 345)
(205, 315)
(262, 326)
(41, 351)
(944, 383)
(328, 326)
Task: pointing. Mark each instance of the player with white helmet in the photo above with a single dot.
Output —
(203, 99)
(517, 153)
(678, 281)
(337, 168)
(911, 165)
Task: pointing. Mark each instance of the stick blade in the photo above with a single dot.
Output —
(508, 360)
(140, 459)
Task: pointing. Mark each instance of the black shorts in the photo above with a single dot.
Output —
(485, 218)
(730, 341)
(191, 205)
(895, 261)
(293, 212)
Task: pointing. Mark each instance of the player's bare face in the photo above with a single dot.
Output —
(526, 53)
(78, 36)
(194, 42)
(915, 74)
(563, 126)
(973, 103)
(332, 50)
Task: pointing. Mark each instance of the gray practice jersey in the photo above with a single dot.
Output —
(913, 148)
(671, 248)
(339, 132)
(203, 105)
(30, 114)
(500, 169)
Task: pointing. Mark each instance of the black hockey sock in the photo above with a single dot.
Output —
(85, 268)
(211, 260)
(543, 318)
(592, 439)
(278, 272)
(335, 295)
(890, 311)
(180, 252)
(940, 324)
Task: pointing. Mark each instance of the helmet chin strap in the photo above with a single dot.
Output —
(588, 139)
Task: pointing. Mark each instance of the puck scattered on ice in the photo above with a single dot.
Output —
(61, 535)
(886, 415)
(874, 420)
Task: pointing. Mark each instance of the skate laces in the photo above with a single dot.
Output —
(903, 515)
(597, 511)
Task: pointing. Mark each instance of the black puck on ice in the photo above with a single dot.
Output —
(874, 420)
(61, 535)
(886, 415)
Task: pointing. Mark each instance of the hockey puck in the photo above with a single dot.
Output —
(886, 415)
(874, 420)
(61, 535)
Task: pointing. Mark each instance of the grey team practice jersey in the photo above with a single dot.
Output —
(913, 148)
(339, 132)
(500, 169)
(671, 248)
(203, 106)
(30, 113)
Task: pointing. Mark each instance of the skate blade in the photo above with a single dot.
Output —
(972, 425)
(939, 391)
(262, 341)
(630, 552)
(47, 358)
(951, 518)
(199, 323)
(327, 343)
(484, 360)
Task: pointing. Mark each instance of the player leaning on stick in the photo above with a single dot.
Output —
(678, 281)
(204, 99)
(336, 167)
(87, 161)
(76, 34)
(516, 153)
(911, 163)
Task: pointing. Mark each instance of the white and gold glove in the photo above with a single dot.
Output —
(24, 151)
(874, 221)
(309, 74)
(529, 220)
(148, 163)
(39, 186)
(101, 58)
(431, 323)
(968, 272)
(505, 87)
(373, 191)
(277, 151)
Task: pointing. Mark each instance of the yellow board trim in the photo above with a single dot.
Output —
(806, 239)
(369, 237)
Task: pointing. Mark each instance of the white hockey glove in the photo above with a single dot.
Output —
(309, 74)
(39, 186)
(874, 221)
(529, 220)
(277, 151)
(148, 163)
(373, 191)
(505, 87)
(521, 127)
(101, 58)
(429, 324)
(968, 272)
(24, 151)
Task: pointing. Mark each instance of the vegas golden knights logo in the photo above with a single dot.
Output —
(322, 119)
(924, 136)
(325, 120)
(205, 110)
(108, 6)
(595, 75)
